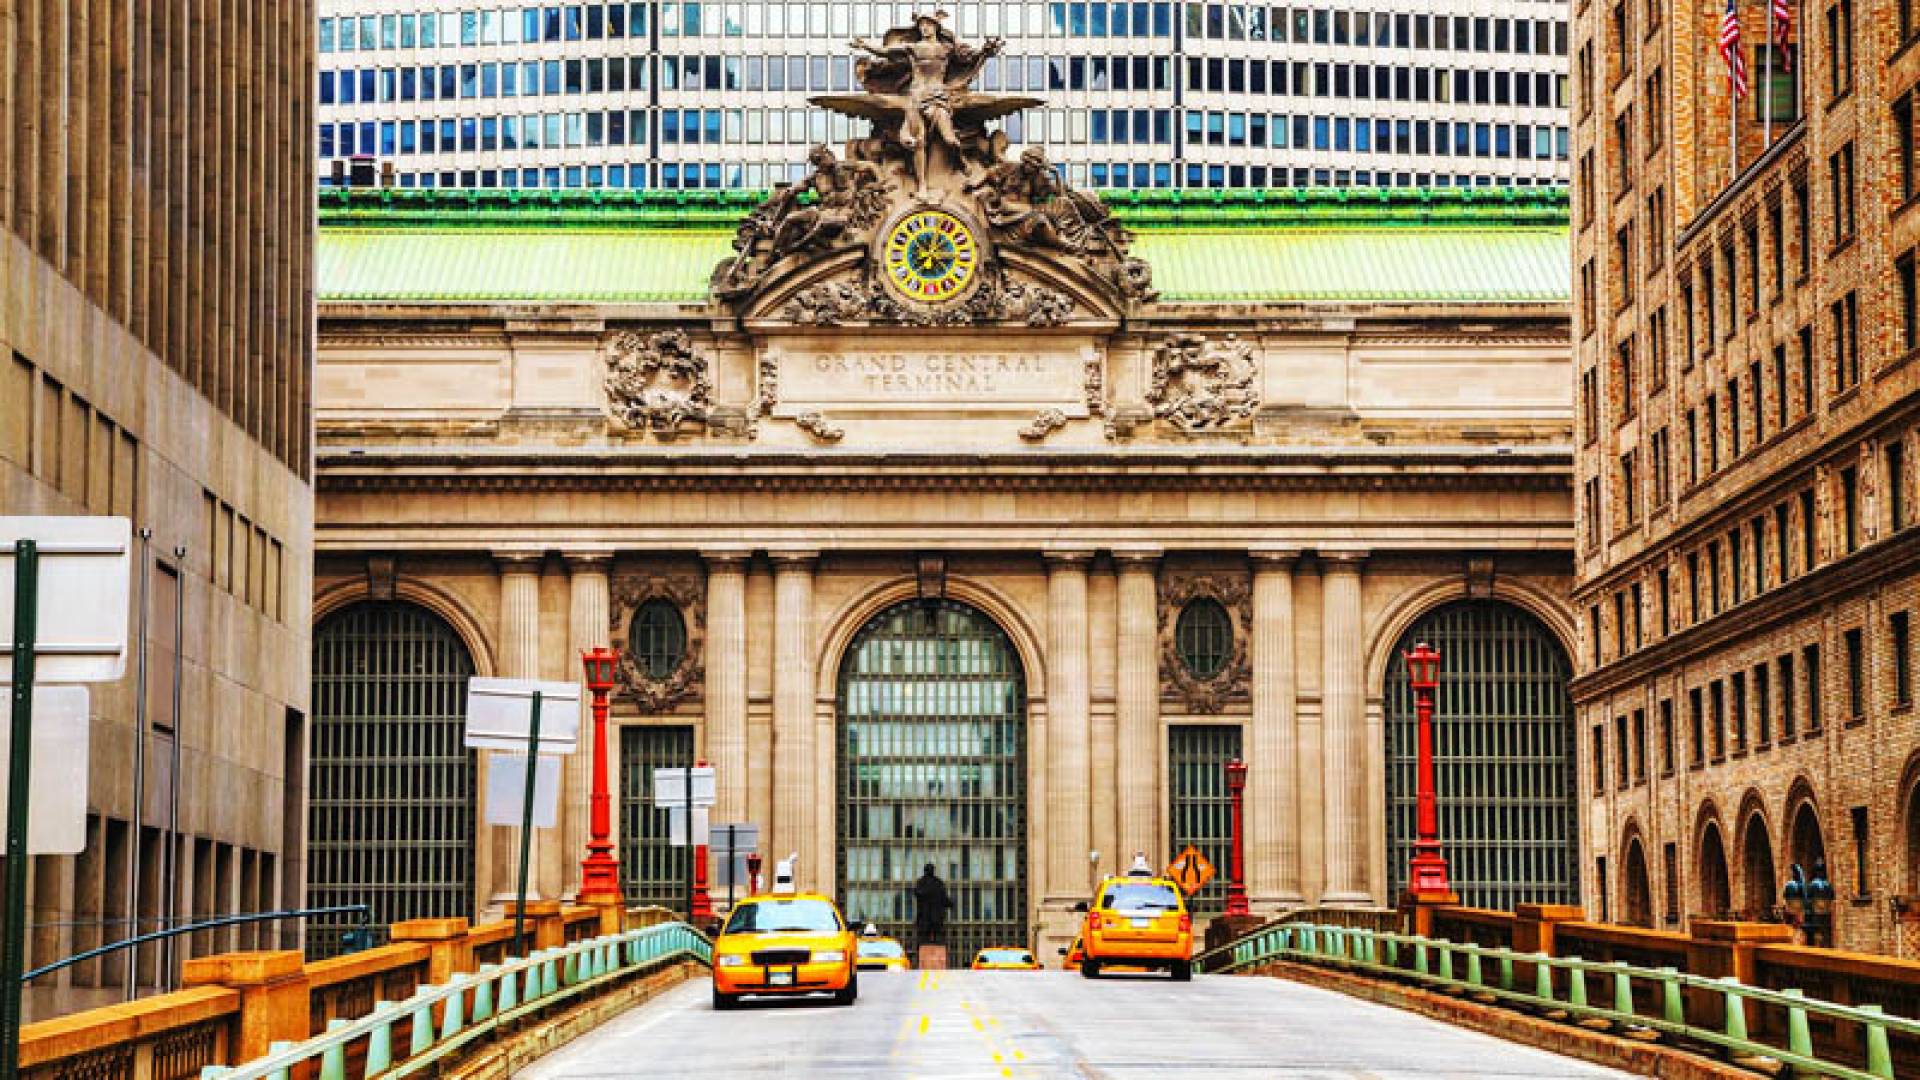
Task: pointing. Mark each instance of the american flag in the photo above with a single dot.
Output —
(1730, 52)
(1783, 32)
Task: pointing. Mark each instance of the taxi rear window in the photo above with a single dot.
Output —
(881, 948)
(1005, 956)
(772, 916)
(1140, 896)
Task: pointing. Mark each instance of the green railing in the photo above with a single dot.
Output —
(1561, 986)
(441, 1021)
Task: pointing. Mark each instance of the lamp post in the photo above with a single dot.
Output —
(599, 872)
(1427, 871)
(1237, 880)
(1814, 896)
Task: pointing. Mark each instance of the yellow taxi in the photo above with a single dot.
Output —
(783, 945)
(1005, 959)
(1138, 921)
(1074, 953)
(880, 953)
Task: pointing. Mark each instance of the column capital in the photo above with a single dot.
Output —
(587, 561)
(1273, 558)
(1343, 558)
(519, 562)
(1064, 558)
(791, 559)
(1138, 556)
(734, 558)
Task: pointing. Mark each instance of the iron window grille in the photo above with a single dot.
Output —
(1200, 810)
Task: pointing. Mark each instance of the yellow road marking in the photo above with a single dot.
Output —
(924, 1021)
(977, 1025)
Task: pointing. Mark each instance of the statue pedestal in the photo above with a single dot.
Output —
(931, 958)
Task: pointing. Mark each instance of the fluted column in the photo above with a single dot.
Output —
(727, 680)
(1344, 764)
(1068, 724)
(795, 788)
(1137, 703)
(519, 659)
(1273, 736)
(588, 627)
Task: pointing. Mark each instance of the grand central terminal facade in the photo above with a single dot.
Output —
(955, 516)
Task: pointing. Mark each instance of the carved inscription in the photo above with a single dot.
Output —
(933, 378)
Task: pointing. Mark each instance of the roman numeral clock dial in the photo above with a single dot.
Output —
(930, 256)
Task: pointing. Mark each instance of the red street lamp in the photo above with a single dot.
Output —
(1237, 881)
(599, 873)
(1427, 871)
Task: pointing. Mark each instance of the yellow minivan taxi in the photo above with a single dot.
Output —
(1138, 921)
(783, 945)
(1005, 959)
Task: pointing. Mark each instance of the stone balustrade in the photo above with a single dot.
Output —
(235, 1005)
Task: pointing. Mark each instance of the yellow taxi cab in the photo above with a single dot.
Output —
(784, 944)
(1138, 921)
(1005, 959)
(1073, 954)
(878, 952)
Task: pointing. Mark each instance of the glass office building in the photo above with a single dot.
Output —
(713, 95)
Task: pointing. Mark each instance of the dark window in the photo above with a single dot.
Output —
(1788, 722)
(1900, 642)
(1599, 758)
(1846, 342)
(1860, 856)
(1696, 728)
(1840, 189)
(1839, 46)
(1204, 637)
(1621, 755)
(1894, 454)
(1639, 745)
(1763, 705)
(1849, 509)
(1672, 854)
(657, 640)
(1666, 738)
(1856, 673)
(1810, 672)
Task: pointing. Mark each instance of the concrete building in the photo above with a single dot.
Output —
(989, 556)
(156, 319)
(1744, 314)
(714, 95)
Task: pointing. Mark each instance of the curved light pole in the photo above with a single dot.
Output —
(1427, 871)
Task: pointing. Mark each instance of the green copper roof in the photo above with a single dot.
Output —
(1501, 245)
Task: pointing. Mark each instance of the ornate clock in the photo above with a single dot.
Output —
(930, 257)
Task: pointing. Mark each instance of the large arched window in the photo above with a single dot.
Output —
(1716, 895)
(390, 807)
(1760, 893)
(1638, 885)
(1503, 757)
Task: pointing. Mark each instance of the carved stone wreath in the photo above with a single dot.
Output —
(657, 382)
(629, 594)
(1232, 680)
(1200, 384)
(998, 299)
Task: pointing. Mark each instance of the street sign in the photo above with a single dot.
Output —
(57, 795)
(731, 844)
(500, 713)
(507, 790)
(677, 824)
(670, 787)
(86, 571)
(1190, 870)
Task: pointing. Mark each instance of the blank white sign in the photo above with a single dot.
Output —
(500, 714)
(80, 632)
(57, 802)
(507, 790)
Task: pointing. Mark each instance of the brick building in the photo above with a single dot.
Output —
(1744, 314)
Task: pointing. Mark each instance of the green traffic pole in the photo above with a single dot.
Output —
(13, 941)
(526, 828)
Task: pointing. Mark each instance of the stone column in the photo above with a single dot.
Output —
(1068, 724)
(795, 787)
(519, 659)
(1344, 765)
(1137, 704)
(1273, 735)
(727, 680)
(588, 626)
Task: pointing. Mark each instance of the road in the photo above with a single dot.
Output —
(965, 1024)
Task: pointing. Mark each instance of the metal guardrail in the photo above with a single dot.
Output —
(473, 1005)
(1465, 968)
(362, 923)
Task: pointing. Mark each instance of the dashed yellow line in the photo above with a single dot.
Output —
(924, 1021)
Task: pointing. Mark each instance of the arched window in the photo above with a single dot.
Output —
(1758, 879)
(1716, 896)
(390, 804)
(657, 639)
(1639, 905)
(1503, 757)
(1204, 637)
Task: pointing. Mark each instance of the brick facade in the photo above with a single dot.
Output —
(1744, 465)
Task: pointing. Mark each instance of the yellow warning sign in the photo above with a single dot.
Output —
(1191, 870)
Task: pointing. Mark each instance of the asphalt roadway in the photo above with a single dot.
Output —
(966, 1024)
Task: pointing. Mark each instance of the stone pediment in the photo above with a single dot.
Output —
(926, 221)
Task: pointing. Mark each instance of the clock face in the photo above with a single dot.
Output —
(930, 256)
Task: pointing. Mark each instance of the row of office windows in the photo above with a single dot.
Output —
(1100, 127)
(756, 176)
(1204, 22)
(1100, 74)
